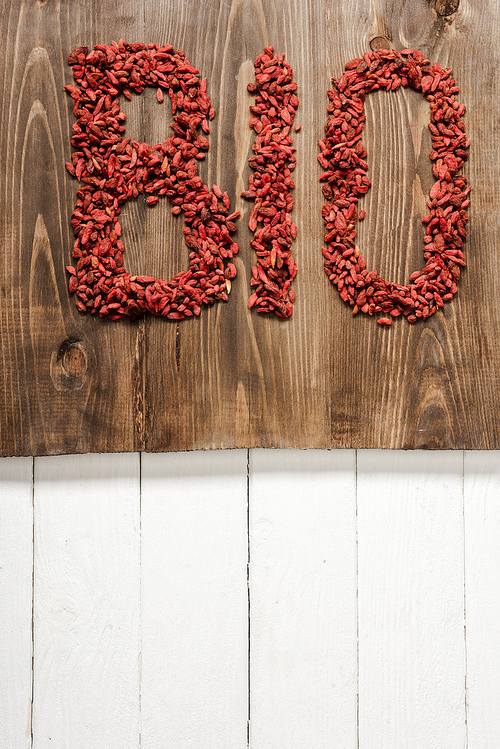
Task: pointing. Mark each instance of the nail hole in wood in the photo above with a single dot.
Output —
(446, 7)
(379, 42)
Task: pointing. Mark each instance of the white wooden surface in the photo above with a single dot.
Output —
(482, 603)
(16, 601)
(303, 673)
(86, 602)
(411, 600)
(194, 600)
(368, 616)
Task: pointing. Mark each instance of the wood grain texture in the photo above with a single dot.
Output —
(482, 593)
(68, 382)
(303, 607)
(411, 572)
(411, 600)
(16, 595)
(232, 378)
(194, 550)
(86, 602)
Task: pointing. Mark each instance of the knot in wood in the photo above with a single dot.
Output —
(379, 42)
(446, 7)
(74, 359)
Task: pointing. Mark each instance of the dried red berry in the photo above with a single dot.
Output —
(271, 186)
(114, 169)
(343, 159)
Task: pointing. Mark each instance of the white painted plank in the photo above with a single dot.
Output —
(86, 623)
(194, 600)
(16, 570)
(411, 600)
(302, 599)
(482, 597)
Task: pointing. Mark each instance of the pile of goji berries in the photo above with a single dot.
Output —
(114, 169)
(272, 119)
(343, 158)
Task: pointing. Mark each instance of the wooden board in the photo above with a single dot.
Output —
(16, 592)
(194, 600)
(73, 383)
(303, 599)
(86, 593)
(482, 579)
(412, 649)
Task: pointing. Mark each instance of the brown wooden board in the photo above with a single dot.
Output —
(231, 378)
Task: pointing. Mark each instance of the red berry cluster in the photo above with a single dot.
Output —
(343, 157)
(114, 169)
(272, 118)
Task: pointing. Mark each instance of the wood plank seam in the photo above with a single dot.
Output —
(249, 598)
(464, 530)
(32, 600)
(140, 599)
(357, 598)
